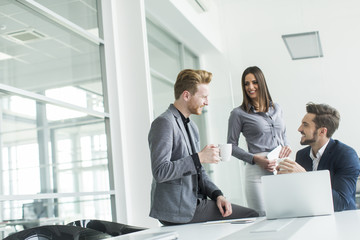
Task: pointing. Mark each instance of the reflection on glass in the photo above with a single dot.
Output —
(164, 52)
(162, 93)
(70, 94)
(41, 153)
(82, 13)
(20, 171)
(190, 60)
(20, 215)
(162, 62)
(81, 158)
(42, 55)
(88, 207)
(48, 151)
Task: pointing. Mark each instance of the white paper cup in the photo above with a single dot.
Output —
(225, 152)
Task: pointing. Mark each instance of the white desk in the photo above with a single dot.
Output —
(341, 225)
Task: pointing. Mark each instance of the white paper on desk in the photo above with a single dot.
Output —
(274, 154)
(150, 236)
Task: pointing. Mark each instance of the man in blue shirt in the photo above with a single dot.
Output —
(325, 153)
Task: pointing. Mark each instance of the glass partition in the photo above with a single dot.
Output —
(81, 12)
(56, 154)
(69, 149)
(24, 214)
(39, 53)
(164, 52)
(54, 161)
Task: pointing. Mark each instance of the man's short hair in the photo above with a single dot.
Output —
(189, 79)
(325, 116)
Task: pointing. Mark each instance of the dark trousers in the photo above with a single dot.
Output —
(207, 210)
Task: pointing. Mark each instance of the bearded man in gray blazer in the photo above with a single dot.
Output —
(181, 188)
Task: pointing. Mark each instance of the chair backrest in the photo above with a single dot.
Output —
(34, 210)
(111, 228)
(58, 232)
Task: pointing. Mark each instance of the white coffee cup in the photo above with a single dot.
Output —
(225, 151)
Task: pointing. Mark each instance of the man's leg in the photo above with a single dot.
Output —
(165, 223)
(207, 210)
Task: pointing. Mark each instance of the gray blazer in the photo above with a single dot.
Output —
(175, 184)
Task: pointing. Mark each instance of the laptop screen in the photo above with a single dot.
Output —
(297, 194)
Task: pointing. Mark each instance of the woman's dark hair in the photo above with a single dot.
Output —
(264, 96)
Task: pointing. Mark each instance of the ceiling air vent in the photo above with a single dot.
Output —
(26, 35)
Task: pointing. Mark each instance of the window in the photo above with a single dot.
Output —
(53, 161)
(167, 58)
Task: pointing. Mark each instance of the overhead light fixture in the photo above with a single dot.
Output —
(4, 56)
(303, 45)
(26, 35)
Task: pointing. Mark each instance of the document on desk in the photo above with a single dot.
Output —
(271, 229)
(149, 236)
(272, 225)
(232, 221)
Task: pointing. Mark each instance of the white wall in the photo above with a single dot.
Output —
(253, 37)
(129, 91)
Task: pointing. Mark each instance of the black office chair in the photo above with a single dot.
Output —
(111, 228)
(58, 232)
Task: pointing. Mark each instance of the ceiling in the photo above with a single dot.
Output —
(57, 56)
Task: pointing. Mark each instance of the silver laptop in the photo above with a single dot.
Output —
(297, 194)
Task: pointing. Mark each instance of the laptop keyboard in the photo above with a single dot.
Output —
(272, 225)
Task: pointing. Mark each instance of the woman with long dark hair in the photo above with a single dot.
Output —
(260, 121)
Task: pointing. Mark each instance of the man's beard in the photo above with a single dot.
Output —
(308, 141)
(196, 109)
